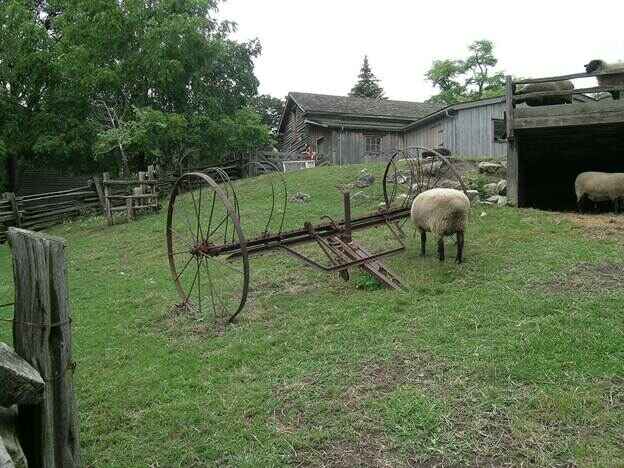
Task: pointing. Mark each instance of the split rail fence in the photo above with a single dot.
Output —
(102, 195)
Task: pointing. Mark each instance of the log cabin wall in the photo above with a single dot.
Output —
(295, 138)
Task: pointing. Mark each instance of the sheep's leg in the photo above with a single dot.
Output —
(460, 247)
(441, 248)
(423, 242)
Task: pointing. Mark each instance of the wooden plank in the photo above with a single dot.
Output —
(60, 192)
(21, 383)
(509, 107)
(512, 172)
(571, 76)
(571, 120)
(49, 431)
(128, 182)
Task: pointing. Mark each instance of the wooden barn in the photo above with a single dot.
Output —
(548, 146)
(345, 130)
(473, 128)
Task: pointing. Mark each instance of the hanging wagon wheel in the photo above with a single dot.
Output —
(203, 229)
(412, 171)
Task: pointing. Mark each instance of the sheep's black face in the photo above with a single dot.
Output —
(593, 66)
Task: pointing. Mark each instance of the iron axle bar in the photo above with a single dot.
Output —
(302, 236)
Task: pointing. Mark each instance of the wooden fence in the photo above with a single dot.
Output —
(40, 211)
(101, 195)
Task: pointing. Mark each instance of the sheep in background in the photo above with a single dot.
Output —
(599, 187)
(443, 212)
(607, 80)
(564, 85)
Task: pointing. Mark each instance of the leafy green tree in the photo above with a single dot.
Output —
(472, 78)
(62, 62)
(444, 74)
(270, 110)
(4, 168)
(368, 84)
(170, 139)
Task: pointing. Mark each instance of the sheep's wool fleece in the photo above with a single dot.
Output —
(599, 186)
(442, 211)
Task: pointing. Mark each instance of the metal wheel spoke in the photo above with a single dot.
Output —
(184, 268)
(225, 264)
(192, 285)
(211, 288)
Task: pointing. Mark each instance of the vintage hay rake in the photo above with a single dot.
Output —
(209, 254)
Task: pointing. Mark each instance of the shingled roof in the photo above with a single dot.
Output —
(326, 104)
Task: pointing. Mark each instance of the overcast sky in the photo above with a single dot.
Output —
(318, 45)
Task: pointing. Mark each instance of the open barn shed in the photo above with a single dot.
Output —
(548, 146)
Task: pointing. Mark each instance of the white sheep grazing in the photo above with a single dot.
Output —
(607, 80)
(443, 212)
(599, 187)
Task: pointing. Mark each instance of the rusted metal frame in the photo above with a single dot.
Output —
(399, 235)
(340, 266)
(301, 236)
(372, 266)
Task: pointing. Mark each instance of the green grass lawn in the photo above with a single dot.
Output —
(516, 356)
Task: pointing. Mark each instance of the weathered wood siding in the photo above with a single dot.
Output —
(470, 132)
(296, 137)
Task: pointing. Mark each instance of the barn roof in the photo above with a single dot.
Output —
(327, 104)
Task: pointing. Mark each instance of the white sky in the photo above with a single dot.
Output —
(318, 45)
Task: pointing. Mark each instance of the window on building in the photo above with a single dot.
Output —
(499, 131)
(373, 144)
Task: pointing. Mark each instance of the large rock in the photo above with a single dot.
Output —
(491, 189)
(491, 168)
(498, 200)
(502, 187)
(450, 183)
(364, 179)
(473, 196)
(20, 383)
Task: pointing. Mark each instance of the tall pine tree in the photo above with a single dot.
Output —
(367, 85)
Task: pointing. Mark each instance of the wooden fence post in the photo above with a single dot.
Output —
(100, 193)
(130, 207)
(107, 203)
(15, 208)
(49, 431)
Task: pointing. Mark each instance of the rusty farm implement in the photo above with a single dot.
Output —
(209, 253)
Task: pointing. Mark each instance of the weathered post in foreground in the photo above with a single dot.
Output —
(48, 431)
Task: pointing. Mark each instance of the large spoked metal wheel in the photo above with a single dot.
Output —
(414, 170)
(206, 248)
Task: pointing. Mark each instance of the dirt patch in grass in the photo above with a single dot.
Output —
(370, 450)
(589, 277)
(401, 369)
(598, 226)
